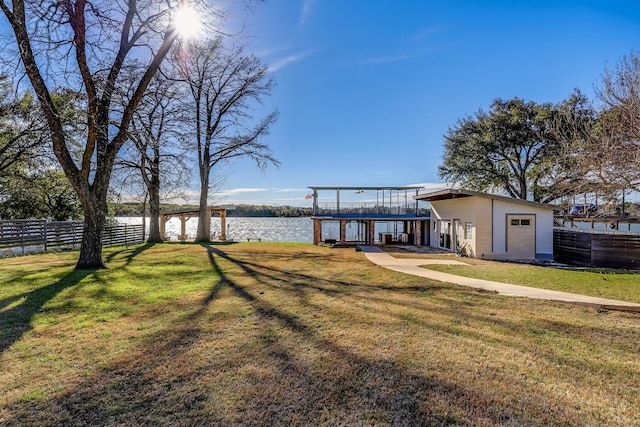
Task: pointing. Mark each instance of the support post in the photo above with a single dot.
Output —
(343, 231)
(183, 228)
(417, 235)
(163, 222)
(371, 232)
(317, 231)
(208, 222)
(223, 224)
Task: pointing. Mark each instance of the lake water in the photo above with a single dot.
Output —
(265, 229)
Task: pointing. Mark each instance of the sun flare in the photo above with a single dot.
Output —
(187, 22)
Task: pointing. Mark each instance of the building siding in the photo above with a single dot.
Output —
(489, 225)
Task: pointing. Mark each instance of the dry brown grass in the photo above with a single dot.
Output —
(279, 334)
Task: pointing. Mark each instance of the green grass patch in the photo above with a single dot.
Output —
(612, 284)
(296, 334)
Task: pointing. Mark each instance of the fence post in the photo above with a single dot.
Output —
(44, 235)
(21, 236)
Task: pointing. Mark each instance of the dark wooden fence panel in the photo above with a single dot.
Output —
(25, 236)
(620, 251)
(597, 248)
(572, 248)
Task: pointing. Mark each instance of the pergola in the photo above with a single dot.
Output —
(185, 215)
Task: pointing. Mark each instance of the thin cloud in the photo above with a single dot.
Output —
(281, 63)
(420, 48)
(426, 33)
(235, 191)
(291, 190)
(307, 7)
(390, 59)
(273, 51)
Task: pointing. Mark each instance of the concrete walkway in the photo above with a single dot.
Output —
(412, 266)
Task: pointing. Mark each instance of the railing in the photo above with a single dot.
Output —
(27, 235)
(363, 209)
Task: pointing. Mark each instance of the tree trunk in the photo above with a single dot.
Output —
(91, 247)
(154, 224)
(154, 211)
(523, 187)
(204, 232)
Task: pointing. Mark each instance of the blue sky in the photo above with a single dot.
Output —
(367, 88)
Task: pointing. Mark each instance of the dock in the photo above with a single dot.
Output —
(366, 207)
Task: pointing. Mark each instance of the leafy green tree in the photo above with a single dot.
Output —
(510, 148)
(23, 132)
(59, 198)
(41, 195)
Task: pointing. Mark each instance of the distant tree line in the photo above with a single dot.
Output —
(268, 211)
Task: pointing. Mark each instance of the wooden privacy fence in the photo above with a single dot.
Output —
(593, 248)
(27, 235)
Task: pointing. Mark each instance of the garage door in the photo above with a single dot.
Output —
(521, 236)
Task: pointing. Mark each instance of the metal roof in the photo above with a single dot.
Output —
(338, 187)
(460, 193)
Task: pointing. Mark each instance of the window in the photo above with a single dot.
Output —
(520, 222)
(468, 230)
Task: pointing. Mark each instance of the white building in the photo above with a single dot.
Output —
(489, 226)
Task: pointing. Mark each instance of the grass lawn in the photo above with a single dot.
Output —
(295, 334)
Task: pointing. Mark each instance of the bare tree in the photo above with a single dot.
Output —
(573, 124)
(157, 152)
(225, 85)
(88, 46)
(618, 134)
(601, 146)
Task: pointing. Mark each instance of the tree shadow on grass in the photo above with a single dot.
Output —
(365, 389)
(131, 253)
(16, 321)
(286, 372)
